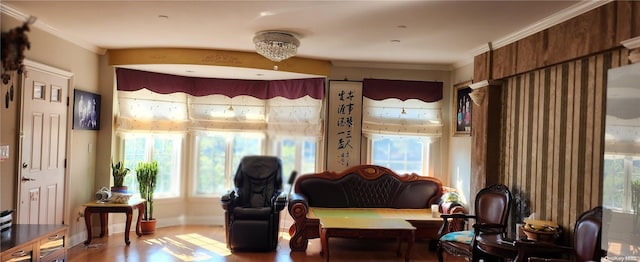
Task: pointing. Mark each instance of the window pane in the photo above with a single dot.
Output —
(613, 182)
(309, 158)
(147, 147)
(211, 155)
(401, 154)
(288, 157)
(218, 156)
(134, 152)
(244, 145)
(166, 151)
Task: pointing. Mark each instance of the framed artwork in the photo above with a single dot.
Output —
(86, 110)
(462, 108)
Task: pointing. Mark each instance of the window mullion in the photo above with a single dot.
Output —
(228, 162)
(627, 184)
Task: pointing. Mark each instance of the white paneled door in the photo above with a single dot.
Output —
(43, 136)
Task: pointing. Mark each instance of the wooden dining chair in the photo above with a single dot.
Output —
(492, 206)
(586, 241)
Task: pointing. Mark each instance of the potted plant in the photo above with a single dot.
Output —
(521, 210)
(119, 172)
(147, 175)
(635, 203)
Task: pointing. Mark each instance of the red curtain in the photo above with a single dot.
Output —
(380, 89)
(132, 80)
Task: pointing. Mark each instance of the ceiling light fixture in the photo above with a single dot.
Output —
(276, 45)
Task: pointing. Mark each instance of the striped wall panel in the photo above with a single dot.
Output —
(552, 135)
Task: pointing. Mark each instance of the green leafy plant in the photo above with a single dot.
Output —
(147, 175)
(119, 172)
(635, 203)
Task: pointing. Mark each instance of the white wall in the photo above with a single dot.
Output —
(50, 50)
(460, 146)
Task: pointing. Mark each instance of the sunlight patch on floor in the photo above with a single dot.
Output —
(285, 236)
(212, 245)
(191, 247)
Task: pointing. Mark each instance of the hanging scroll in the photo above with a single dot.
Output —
(344, 127)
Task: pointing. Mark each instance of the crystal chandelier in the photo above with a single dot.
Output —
(276, 45)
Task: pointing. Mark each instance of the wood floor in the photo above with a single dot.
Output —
(207, 243)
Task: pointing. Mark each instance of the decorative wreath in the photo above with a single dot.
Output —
(14, 43)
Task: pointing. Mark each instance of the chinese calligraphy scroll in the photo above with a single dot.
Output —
(344, 127)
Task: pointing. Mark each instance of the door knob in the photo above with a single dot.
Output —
(25, 165)
(26, 179)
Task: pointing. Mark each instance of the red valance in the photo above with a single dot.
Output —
(380, 89)
(132, 80)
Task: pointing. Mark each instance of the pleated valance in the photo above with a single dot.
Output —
(133, 80)
(380, 89)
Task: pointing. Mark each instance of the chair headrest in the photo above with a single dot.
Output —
(259, 167)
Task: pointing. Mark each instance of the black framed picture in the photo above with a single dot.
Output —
(462, 109)
(86, 110)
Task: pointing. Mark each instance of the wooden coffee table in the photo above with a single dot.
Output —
(348, 227)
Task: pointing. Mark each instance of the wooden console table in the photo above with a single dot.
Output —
(30, 242)
(104, 208)
(366, 228)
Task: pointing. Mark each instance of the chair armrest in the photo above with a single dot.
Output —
(280, 201)
(485, 228)
(227, 199)
(456, 215)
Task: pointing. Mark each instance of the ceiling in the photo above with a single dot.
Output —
(392, 34)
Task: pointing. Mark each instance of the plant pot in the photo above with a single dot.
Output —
(119, 189)
(148, 227)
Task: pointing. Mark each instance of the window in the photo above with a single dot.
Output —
(163, 148)
(216, 159)
(297, 154)
(621, 176)
(402, 154)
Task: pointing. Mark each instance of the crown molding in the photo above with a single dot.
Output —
(405, 66)
(557, 18)
(20, 16)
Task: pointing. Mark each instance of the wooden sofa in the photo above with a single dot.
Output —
(364, 190)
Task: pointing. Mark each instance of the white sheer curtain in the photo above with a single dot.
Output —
(146, 110)
(394, 116)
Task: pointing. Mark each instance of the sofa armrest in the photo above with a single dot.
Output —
(297, 198)
(227, 200)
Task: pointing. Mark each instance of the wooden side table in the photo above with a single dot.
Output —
(104, 208)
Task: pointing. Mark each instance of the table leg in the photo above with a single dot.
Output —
(104, 221)
(141, 210)
(127, 227)
(410, 238)
(324, 243)
(87, 222)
